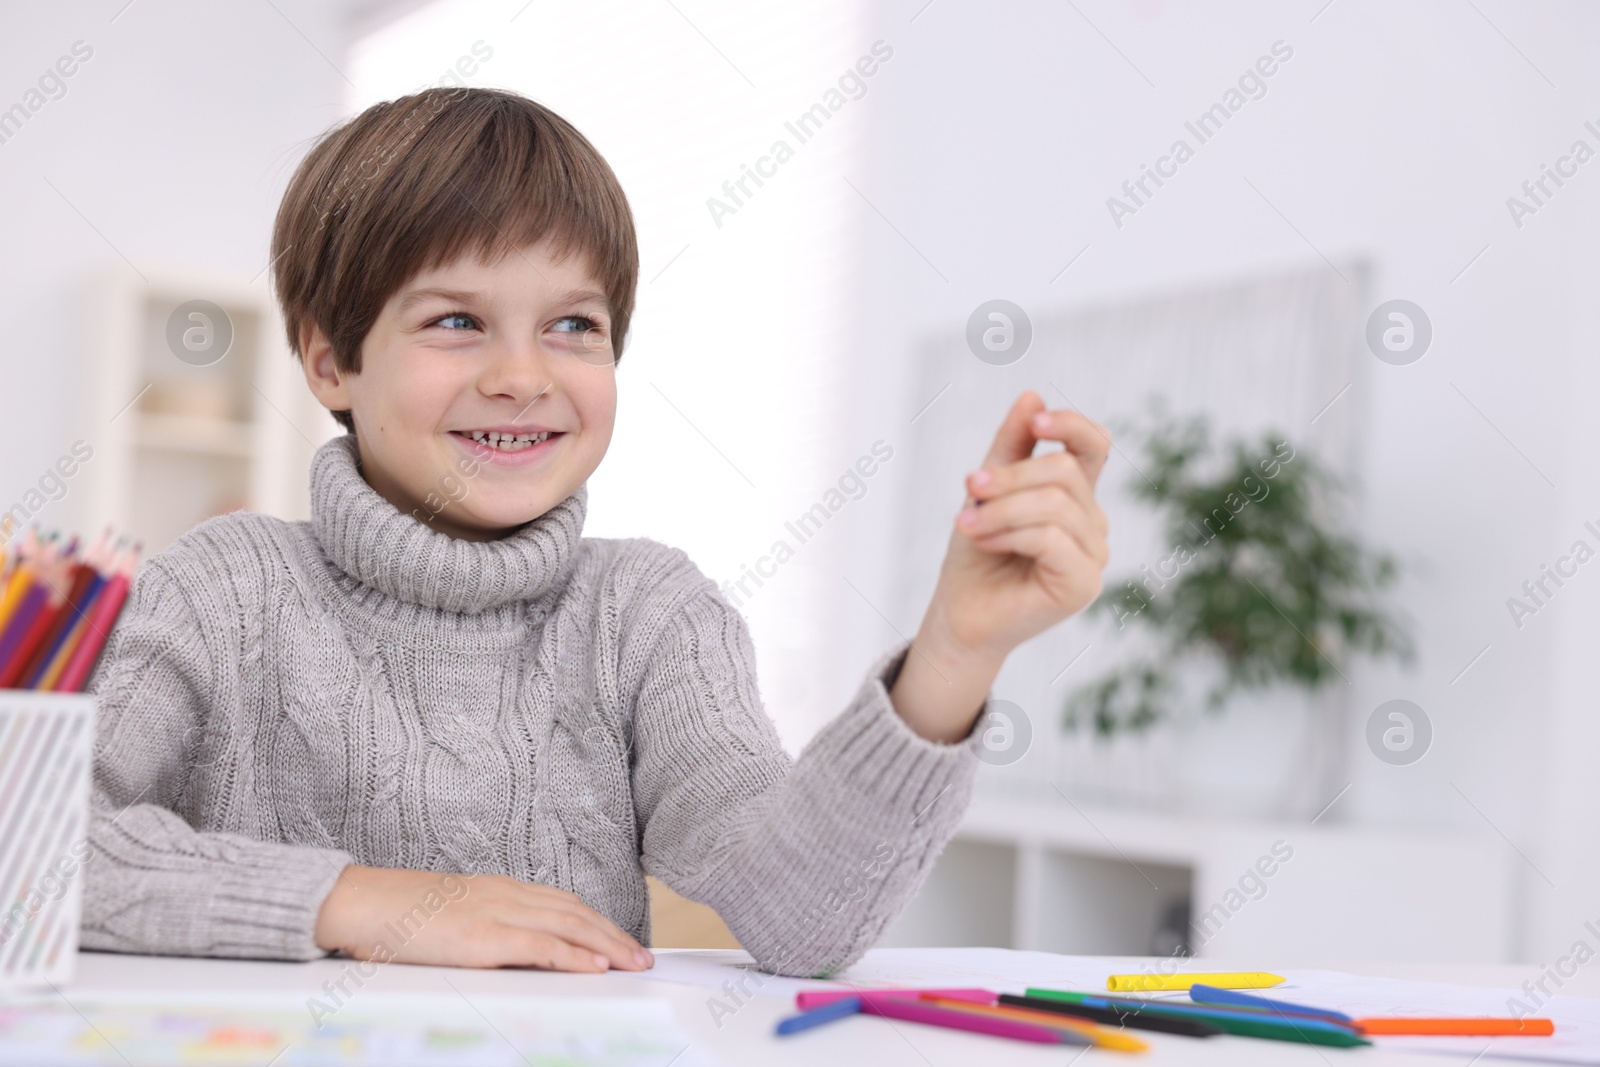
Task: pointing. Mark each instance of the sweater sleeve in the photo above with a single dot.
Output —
(153, 883)
(807, 862)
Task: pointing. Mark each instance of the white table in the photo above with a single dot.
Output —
(746, 1037)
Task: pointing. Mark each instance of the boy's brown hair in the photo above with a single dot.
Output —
(414, 183)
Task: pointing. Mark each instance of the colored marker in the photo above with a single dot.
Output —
(1206, 994)
(815, 998)
(1493, 1027)
(1101, 1037)
(1113, 1017)
(917, 1011)
(1155, 983)
(842, 1008)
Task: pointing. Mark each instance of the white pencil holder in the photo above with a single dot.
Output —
(45, 753)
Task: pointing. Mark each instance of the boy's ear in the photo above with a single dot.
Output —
(327, 381)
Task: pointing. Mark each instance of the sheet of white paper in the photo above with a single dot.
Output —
(1000, 969)
(1577, 1019)
(1576, 1040)
(373, 1028)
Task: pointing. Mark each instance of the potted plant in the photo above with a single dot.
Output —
(1255, 586)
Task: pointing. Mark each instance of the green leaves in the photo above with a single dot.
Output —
(1256, 577)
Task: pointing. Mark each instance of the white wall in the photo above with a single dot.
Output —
(169, 150)
(1393, 134)
(989, 143)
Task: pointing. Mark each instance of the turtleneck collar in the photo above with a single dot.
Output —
(374, 542)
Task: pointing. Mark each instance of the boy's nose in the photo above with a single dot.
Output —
(516, 369)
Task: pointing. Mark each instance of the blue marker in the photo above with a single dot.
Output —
(1205, 994)
(838, 1009)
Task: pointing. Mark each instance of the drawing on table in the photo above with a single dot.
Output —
(392, 1030)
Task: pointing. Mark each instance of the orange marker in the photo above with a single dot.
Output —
(1101, 1036)
(1399, 1024)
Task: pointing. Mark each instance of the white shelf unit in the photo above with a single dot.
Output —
(1068, 877)
(175, 442)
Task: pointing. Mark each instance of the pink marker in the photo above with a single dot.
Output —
(914, 1011)
(818, 997)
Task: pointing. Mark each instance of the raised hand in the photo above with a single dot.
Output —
(1028, 550)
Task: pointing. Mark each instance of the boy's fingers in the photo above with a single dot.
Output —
(1082, 436)
(588, 931)
(1029, 422)
(1015, 439)
(537, 896)
(1052, 549)
(535, 948)
(1048, 505)
(1053, 468)
(1034, 542)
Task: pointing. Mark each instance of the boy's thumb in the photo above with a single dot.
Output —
(1015, 439)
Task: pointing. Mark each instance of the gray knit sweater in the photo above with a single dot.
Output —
(282, 699)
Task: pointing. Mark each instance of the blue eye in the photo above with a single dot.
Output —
(457, 316)
(586, 324)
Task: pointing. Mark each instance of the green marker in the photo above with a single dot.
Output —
(1241, 1023)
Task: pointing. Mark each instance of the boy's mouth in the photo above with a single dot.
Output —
(506, 442)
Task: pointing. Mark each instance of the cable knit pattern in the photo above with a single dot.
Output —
(282, 699)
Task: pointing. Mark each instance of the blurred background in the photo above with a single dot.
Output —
(1354, 235)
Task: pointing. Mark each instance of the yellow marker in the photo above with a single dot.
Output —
(1151, 983)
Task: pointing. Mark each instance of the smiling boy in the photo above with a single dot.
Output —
(435, 704)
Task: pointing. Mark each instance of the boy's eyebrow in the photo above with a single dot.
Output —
(578, 296)
(462, 296)
(417, 296)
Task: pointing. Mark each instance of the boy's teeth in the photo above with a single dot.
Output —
(506, 442)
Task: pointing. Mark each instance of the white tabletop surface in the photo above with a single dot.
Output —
(747, 1038)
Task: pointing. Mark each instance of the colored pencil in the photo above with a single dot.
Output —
(34, 602)
(78, 622)
(16, 586)
(104, 617)
(11, 666)
(58, 607)
(46, 678)
(85, 579)
(40, 557)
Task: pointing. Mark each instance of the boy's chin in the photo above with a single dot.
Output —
(501, 520)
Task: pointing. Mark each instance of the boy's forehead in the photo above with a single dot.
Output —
(532, 267)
